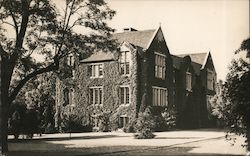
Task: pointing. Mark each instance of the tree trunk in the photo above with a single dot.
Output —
(4, 105)
(4, 126)
(248, 130)
(4, 121)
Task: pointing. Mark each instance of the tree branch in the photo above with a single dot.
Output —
(15, 23)
(3, 53)
(24, 24)
(14, 93)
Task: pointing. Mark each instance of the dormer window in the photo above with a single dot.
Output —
(96, 70)
(188, 81)
(125, 62)
(210, 80)
(160, 65)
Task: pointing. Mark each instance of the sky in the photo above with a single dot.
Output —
(190, 26)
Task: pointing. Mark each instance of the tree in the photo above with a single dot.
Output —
(236, 92)
(40, 96)
(218, 104)
(145, 125)
(37, 27)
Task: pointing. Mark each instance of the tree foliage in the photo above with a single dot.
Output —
(31, 28)
(237, 88)
(145, 125)
(232, 105)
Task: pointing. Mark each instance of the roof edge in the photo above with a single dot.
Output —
(152, 38)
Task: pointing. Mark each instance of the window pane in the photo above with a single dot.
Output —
(92, 70)
(100, 70)
(96, 96)
(96, 71)
(127, 95)
(91, 96)
(159, 97)
(153, 96)
(188, 81)
(122, 95)
(122, 68)
(127, 67)
(160, 66)
(100, 95)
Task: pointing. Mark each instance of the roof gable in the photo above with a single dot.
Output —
(199, 58)
(197, 61)
(137, 38)
(208, 63)
(99, 56)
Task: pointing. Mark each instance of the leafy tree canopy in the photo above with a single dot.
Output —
(40, 28)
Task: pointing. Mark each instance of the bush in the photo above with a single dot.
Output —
(145, 125)
(130, 128)
(165, 121)
(16, 119)
(104, 121)
(169, 117)
(72, 123)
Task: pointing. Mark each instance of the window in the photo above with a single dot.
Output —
(66, 96)
(174, 76)
(160, 65)
(71, 97)
(160, 96)
(124, 62)
(123, 121)
(124, 95)
(188, 81)
(70, 60)
(209, 107)
(210, 80)
(96, 70)
(96, 95)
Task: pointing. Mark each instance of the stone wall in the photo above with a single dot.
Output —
(111, 81)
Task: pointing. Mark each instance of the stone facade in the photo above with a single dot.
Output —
(105, 82)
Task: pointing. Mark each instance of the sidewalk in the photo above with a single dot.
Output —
(119, 143)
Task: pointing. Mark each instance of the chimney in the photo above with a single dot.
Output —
(129, 29)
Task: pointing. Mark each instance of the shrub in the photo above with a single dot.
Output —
(72, 123)
(145, 125)
(169, 117)
(31, 123)
(166, 120)
(114, 122)
(16, 119)
(104, 121)
(130, 128)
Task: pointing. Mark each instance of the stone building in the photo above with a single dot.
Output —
(144, 68)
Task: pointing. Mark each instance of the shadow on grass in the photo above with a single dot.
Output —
(63, 138)
(119, 150)
(177, 137)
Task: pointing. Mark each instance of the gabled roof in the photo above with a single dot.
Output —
(137, 38)
(199, 58)
(177, 61)
(99, 56)
(197, 61)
